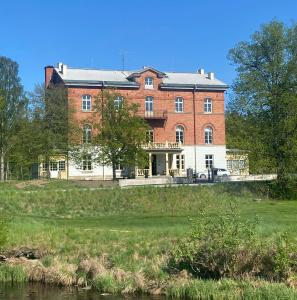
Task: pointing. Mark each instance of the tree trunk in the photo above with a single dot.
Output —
(114, 175)
(2, 167)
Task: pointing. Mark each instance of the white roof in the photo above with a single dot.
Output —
(190, 78)
(93, 75)
(170, 78)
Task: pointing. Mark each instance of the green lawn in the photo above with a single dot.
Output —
(134, 228)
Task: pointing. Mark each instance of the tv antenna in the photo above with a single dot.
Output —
(123, 58)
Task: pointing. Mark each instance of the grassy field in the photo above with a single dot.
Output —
(127, 234)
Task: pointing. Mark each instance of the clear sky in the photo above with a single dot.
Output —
(181, 35)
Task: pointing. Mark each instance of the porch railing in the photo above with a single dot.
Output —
(142, 172)
(161, 146)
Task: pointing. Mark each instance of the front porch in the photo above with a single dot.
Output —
(164, 160)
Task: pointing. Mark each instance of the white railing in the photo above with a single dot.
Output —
(142, 172)
(166, 145)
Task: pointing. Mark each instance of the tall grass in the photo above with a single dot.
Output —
(135, 230)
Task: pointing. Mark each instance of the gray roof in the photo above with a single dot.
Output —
(170, 80)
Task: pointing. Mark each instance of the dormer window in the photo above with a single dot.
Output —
(149, 83)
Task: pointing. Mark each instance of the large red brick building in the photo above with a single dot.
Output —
(185, 112)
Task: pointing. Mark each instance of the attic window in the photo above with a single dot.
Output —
(149, 83)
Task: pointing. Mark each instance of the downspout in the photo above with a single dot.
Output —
(194, 116)
(102, 98)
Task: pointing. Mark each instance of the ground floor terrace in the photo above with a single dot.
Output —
(164, 159)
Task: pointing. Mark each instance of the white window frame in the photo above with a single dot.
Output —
(86, 164)
(62, 165)
(179, 134)
(150, 136)
(208, 105)
(53, 166)
(180, 158)
(208, 135)
(86, 103)
(209, 161)
(87, 134)
(149, 103)
(179, 104)
(149, 83)
(118, 101)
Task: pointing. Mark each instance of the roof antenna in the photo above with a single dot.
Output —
(123, 58)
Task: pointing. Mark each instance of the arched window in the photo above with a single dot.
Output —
(118, 102)
(86, 102)
(208, 136)
(179, 104)
(87, 134)
(179, 134)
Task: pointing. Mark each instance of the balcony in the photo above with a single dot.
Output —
(163, 146)
(153, 115)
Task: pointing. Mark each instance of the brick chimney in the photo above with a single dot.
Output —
(48, 70)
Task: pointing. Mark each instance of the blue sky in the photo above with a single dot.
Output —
(168, 35)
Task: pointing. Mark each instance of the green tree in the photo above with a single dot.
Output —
(11, 106)
(52, 122)
(266, 93)
(120, 132)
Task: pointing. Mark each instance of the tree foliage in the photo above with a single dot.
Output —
(265, 94)
(120, 132)
(12, 107)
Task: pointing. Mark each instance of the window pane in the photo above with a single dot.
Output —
(208, 135)
(86, 102)
(62, 165)
(53, 166)
(179, 104)
(149, 103)
(208, 105)
(179, 134)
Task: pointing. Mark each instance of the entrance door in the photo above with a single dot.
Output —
(154, 164)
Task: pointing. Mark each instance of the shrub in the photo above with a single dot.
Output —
(3, 230)
(225, 246)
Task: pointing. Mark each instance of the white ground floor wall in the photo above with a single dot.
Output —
(194, 158)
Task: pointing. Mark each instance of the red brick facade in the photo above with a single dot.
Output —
(164, 100)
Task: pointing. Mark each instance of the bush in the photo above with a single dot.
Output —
(225, 246)
(3, 230)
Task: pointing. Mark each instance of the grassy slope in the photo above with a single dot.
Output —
(134, 227)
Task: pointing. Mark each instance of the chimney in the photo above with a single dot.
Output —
(64, 69)
(59, 66)
(48, 70)
(210, 75)
(200, 71)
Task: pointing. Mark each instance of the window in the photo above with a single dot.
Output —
(180, 161)
(86, 102)
(149, 101)
(179, 104)
(207, 105)
(208, 161)
(44, 166)
(62, 165)
(150, 136)
(179, 134)
(87, 134)
(149, 83)
(236, 164)
(118, 102)
(53, 166)
(87, 163)
(208, 135)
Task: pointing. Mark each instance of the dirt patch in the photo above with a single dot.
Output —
(95, 183)
(24, 184)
